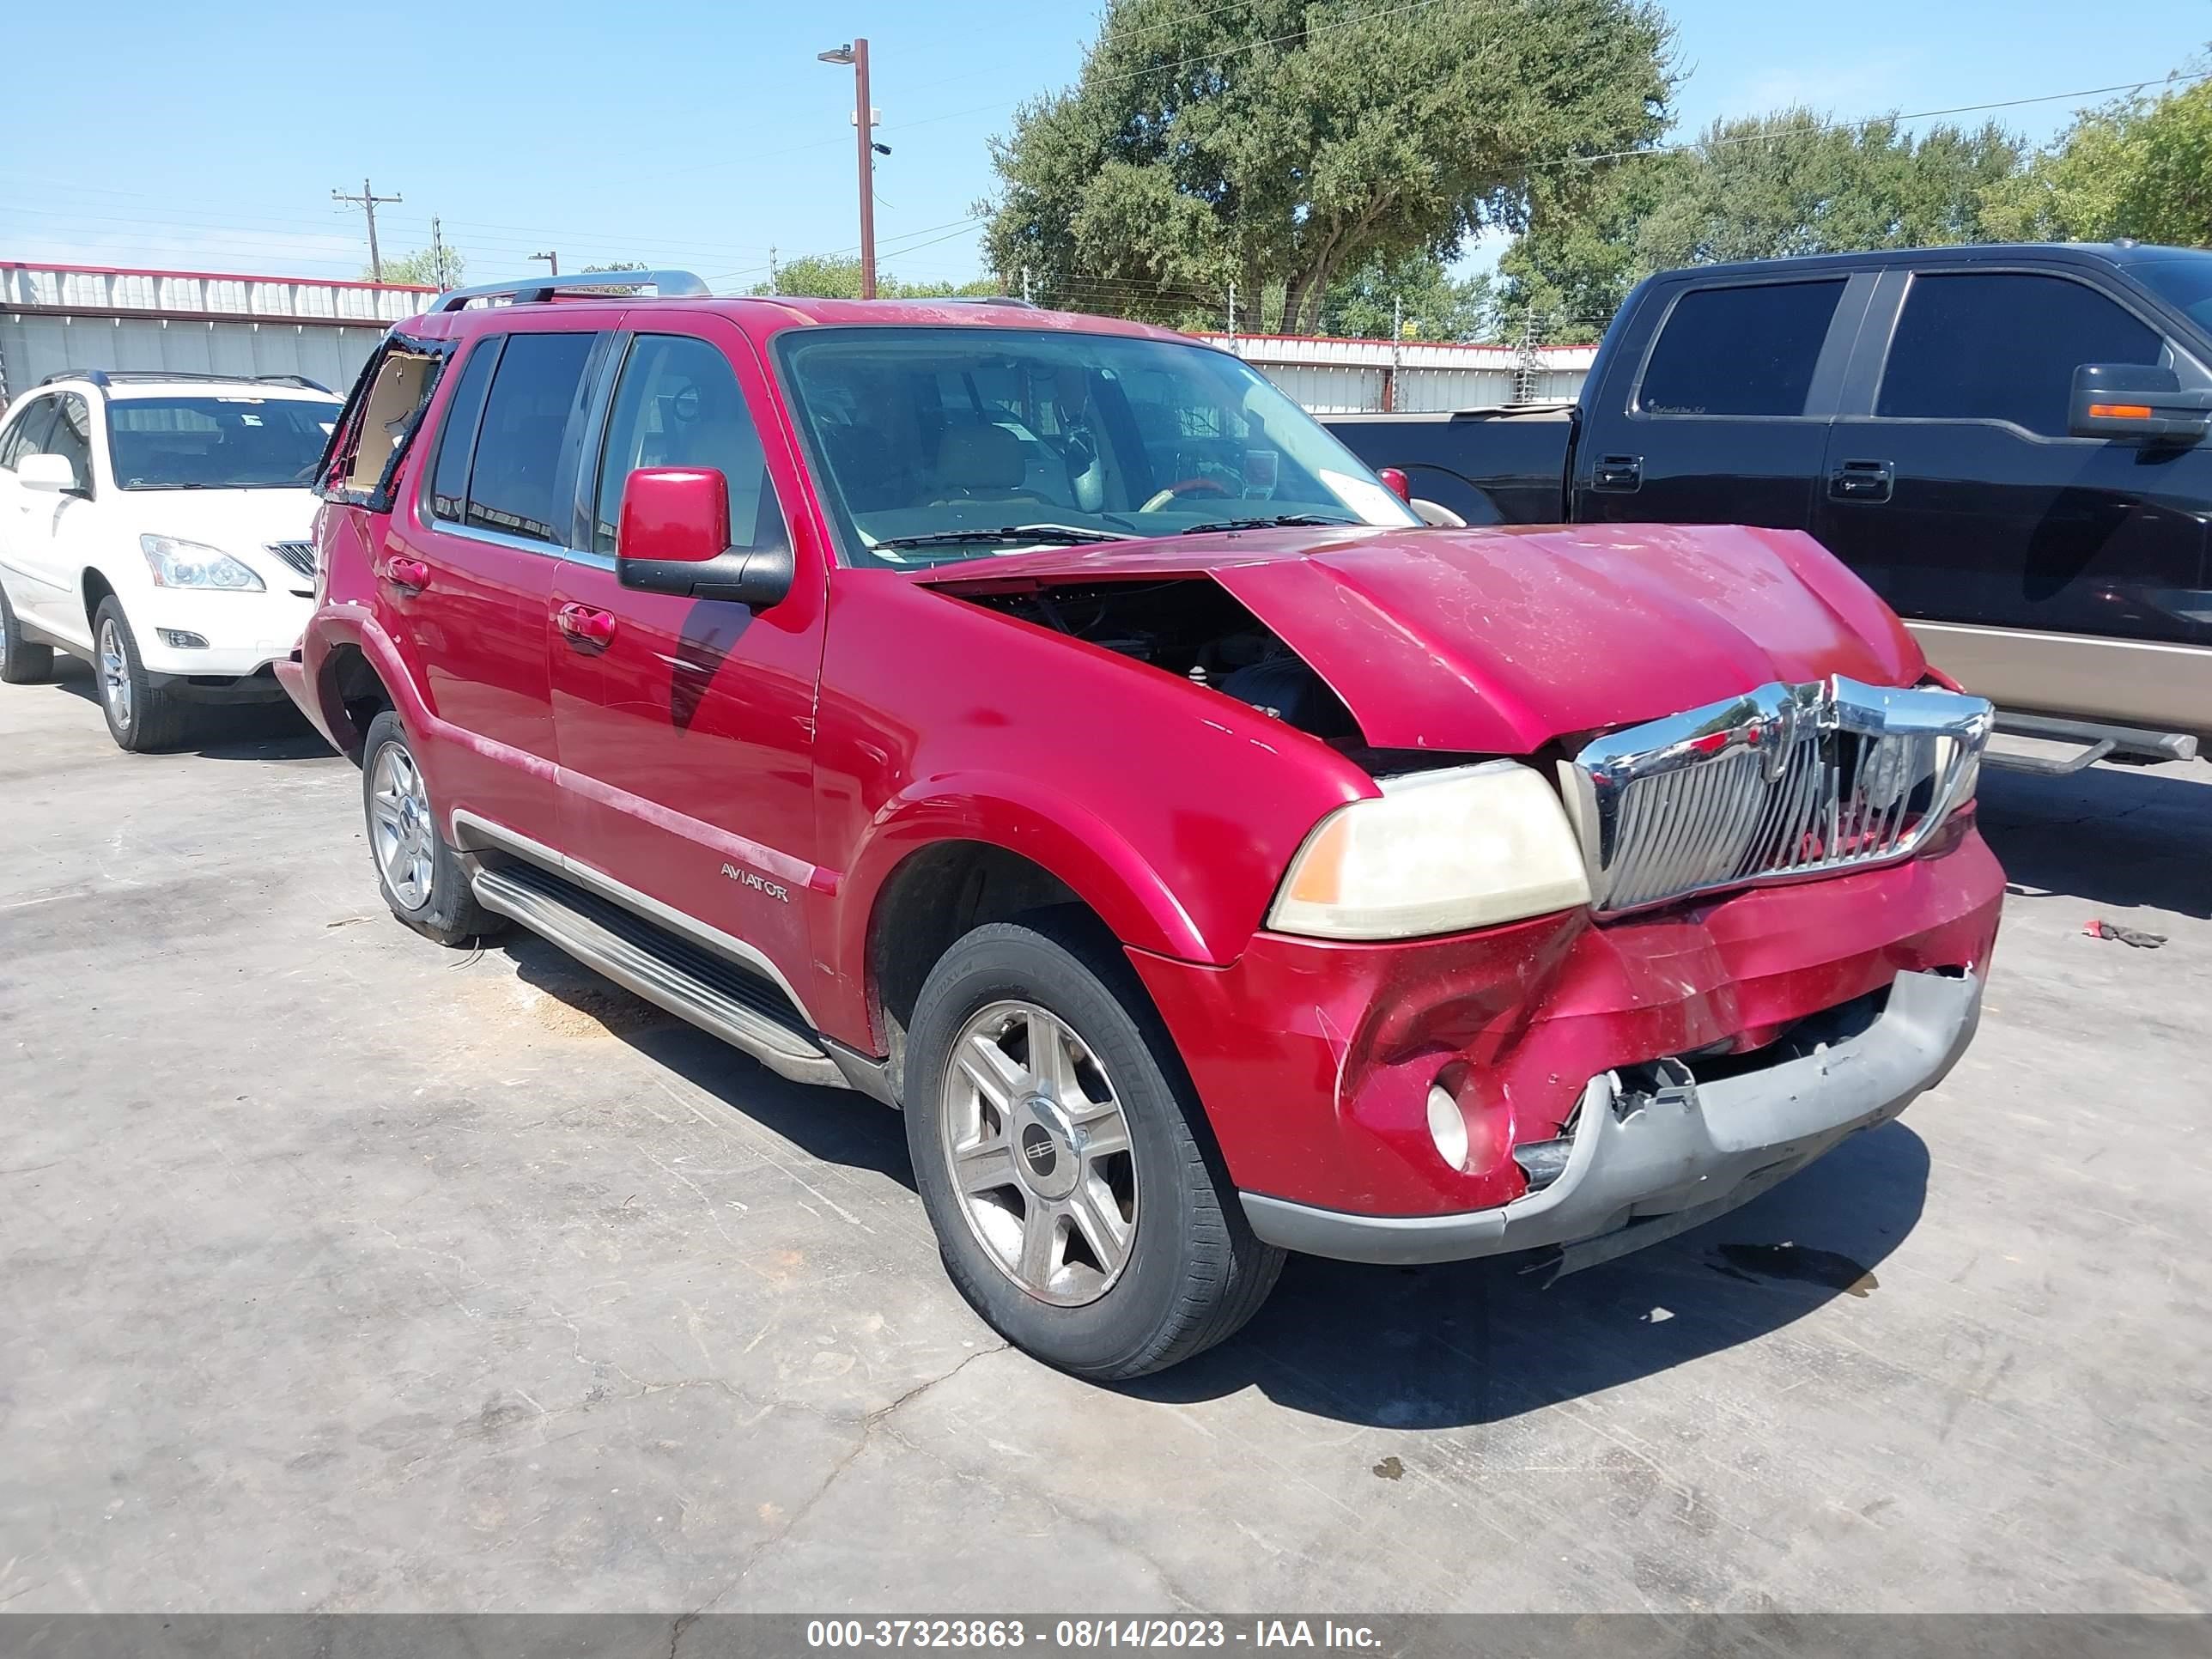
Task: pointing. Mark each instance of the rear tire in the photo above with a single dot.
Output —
(141, 716)
(21, 663)
(422, 879)
(1102, 1148)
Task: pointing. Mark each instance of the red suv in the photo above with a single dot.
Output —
(1038, 723)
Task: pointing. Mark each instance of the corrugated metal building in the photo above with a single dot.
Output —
(54, 316)
(1412, 377)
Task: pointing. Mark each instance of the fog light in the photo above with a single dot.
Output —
(1447, 1127)
(177, 640)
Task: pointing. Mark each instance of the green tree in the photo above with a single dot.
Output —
(2138, 167)
(1277, 144)
(1417, 294)
(837, 277)
(618, 264)
(1756, 188)
(421, 268)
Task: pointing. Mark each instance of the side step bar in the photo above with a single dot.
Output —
(2126, 743)
(747, 1012)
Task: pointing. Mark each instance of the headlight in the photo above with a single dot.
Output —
(188, 564)
(1438, 853)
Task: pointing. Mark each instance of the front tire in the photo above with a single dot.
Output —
(21, 663)
(141, 716)
(1079, 1202)
(422, 879)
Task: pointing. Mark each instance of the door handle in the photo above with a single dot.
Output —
(584, 625)
(410, 574)
(1862, 481)
(1623, 473)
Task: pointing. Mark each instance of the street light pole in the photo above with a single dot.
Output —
(552, 258)
(864, 126)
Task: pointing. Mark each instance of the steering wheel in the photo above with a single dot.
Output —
(1186, 486)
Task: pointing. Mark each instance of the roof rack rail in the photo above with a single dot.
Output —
(1014, 299)
(668, 284)
(108, 377)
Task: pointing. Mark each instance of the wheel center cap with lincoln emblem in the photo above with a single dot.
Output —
(1044, 1150)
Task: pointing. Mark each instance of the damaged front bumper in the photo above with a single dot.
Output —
(1646, 1162)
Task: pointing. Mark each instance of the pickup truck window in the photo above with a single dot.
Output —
(2183, 282)
(1748, 348)
(2004, 346)
(935, 444)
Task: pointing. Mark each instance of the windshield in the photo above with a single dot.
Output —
(2183, 282)
(940, 444)
(218, 443)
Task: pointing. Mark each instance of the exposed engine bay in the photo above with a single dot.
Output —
(1198, 630)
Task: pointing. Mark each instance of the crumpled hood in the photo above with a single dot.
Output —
(1498, 639)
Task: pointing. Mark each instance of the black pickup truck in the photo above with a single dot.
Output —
(2008, 443)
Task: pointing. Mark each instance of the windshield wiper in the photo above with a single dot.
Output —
(1053, 535)
(1281, 521)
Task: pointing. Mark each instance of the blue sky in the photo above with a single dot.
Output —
(209, 137)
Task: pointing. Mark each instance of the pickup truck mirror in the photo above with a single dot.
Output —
(2132, 400)
(674, 537)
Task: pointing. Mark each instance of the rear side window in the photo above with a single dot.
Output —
(678, 403)
(449, 484)
(1744, 350)
(514, 479)
(373, 432)
(2004, 346)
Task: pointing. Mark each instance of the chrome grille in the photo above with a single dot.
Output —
(300, 556)
(1785, 780)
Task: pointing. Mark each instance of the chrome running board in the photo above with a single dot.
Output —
(746, 1011)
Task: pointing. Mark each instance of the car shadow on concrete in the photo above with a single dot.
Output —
(1470, 1343)
(837, 1126)
(247, 731)
(2116, 835)
(1421, 1348)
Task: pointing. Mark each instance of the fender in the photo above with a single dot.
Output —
(1056, 833)
(341, 623)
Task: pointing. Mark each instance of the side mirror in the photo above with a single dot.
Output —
(674, 537)
(45, 471)
(1395, 481)
(2131, 400)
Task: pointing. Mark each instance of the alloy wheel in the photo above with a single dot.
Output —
(400, 826)
(1040, 1153)
(114, 673)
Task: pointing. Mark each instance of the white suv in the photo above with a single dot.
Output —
(158, 525)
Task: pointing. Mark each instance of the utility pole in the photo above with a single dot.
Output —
(855, 52)
(1232, 316)
(437, 255)
(551, 257)
(1026, 299)
(774, 279)
(368, 201)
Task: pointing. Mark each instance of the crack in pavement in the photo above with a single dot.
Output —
(868, 1426)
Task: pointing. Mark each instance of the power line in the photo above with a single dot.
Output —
(1870, 121)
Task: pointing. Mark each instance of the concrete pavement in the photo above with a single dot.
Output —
(340, 1273)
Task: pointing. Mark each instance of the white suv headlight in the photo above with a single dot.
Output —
(190, 564)
(1438, 853)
